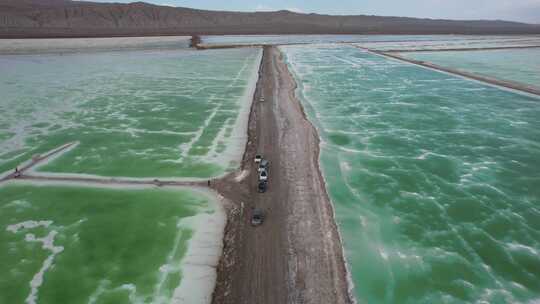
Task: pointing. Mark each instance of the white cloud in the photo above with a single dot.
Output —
(295, 9)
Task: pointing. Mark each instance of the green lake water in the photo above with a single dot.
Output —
(133, 113)
(168, 113)
(94, 245)
(435, 179)
(521, 65)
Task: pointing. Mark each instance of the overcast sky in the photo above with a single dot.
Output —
(514, 10)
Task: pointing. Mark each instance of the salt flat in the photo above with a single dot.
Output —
(165, 113)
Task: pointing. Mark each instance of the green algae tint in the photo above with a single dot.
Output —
(112, 246)
(136, 114)
(521, 66)
(434, 178)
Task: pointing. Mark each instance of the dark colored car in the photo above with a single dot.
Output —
(257, 217)
(262, 186)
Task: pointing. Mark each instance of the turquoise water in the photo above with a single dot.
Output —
(521, 66)
(134, 113)
(434, 178)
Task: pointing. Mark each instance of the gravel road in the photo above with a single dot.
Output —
(296, 255)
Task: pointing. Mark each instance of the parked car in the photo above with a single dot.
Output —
(263, 165)
(261, 99)
(262, 186)
(263, 175)
(257, 217)
(258, 158)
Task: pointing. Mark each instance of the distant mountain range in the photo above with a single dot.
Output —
(63, 18)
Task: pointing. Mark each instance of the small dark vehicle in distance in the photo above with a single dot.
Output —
(257, 217)
(258, 158)
(262, 186)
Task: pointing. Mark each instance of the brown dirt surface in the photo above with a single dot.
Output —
(296, 255)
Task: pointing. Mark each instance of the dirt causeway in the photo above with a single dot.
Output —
(296, 255)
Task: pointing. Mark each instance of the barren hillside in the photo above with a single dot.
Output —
(64, 18)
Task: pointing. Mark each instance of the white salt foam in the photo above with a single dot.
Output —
(47, 244)
(202, 257)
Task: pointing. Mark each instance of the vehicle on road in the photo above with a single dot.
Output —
(258, 158)
(262, 186)
(263, 165)
(261, 99)
(257, 217)
(263, 175)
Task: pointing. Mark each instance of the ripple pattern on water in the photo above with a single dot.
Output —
(100, 245)
(522, 66)
(434, 178)
(137, 114)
